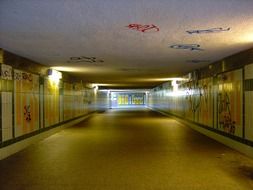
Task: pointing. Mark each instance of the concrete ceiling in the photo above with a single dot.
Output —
(106, 41)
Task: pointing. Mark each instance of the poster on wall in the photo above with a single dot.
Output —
(26, 102)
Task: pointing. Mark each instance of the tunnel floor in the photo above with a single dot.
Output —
(127, 150)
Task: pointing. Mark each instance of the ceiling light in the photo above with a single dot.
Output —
(54, 75)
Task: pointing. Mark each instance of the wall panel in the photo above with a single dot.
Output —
(31, 99)
(51, 102)
(229, 102)
(249, 102)
(7, 130)
(6, 83)
(215, 102)
(26, 102)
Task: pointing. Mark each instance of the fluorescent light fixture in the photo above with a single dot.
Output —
(165, 79)
(54, 75)
(175, 85)
(66, 69)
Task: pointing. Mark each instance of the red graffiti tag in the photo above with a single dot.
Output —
(27, 113)
(143, 28)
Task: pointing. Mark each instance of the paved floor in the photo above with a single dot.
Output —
(127, 150)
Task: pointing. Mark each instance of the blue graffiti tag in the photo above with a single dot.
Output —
(192, 47)
(211, 30)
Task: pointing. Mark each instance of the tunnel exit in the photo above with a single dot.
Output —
(128, 99)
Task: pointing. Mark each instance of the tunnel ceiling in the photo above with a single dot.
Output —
(134, 43)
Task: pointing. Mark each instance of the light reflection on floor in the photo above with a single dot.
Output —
(127, 149)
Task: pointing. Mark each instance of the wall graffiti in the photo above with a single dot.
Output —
(225, 118)
(6, 72)
(211, 30)
(84, 59)
(26, 102)
(27, 113)
(191, 47)
(195, 93)
(194, 98)
(144, 28)
(215, 102)
(198, 61)
(23, 76)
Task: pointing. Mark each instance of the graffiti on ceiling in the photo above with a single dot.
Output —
(84, 59)
(198, 61)
(211, 30)
(144, 28)
(191, 47)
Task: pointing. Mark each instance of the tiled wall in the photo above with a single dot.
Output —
(6, 101)
(222, 102)
(77, 100)
(30, 102)
(6, 87)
